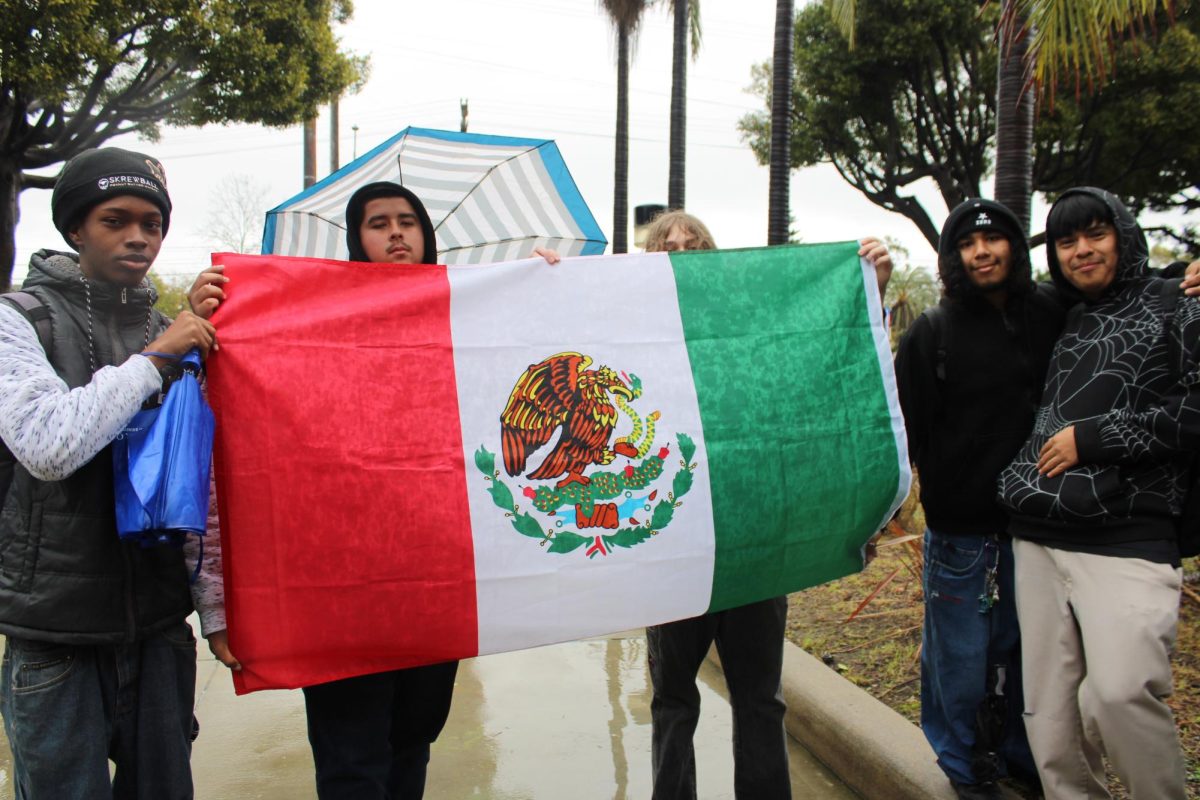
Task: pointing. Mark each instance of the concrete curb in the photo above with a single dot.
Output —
(871, 748)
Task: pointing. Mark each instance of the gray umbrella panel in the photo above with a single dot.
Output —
(491, 199)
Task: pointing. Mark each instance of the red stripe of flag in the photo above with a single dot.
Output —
(339, 461)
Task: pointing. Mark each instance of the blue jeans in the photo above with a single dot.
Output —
(750, 642)
(69, 709)
(971, 698)
(370, 735)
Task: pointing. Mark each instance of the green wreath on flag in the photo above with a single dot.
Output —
(603, 486)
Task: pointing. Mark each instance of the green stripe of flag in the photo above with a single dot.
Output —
(799, 433)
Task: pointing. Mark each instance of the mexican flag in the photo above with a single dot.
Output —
(422, 463)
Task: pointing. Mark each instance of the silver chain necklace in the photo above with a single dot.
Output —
(87, 294)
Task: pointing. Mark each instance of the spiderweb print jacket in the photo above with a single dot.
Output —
(1131, 394)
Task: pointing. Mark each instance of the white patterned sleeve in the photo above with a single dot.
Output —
(51, 429)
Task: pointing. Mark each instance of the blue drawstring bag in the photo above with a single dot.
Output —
(161, 462)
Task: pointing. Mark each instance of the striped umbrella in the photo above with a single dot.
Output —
(492, 198)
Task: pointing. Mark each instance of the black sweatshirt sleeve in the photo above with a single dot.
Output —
(917, 383)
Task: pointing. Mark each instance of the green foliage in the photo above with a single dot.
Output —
(566, 542)
(1078, 37)
(187, 62)
(664, 511)
(687, 447)
(628, 537)
(172, 294)
(682, 483)
(1131, 136)
(526, 525)
(911, 290)
(501, 495)
(914, 99)
(76, 73)
(485, 461)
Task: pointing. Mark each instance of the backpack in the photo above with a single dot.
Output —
(937, 320)
(1189, 520)
(39, 316)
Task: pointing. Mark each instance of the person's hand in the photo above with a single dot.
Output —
(1058, 454)
(218, 643)
(208, 291)
(876, 252)
(1191, 279)
(551, 256)
(186, 332)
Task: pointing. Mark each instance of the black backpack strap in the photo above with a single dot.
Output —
(38, 315)
(941, 337)
(36, 312)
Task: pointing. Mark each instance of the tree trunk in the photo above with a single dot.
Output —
(10, 187)
(620, 241)
(781, 98)
(310, 152)
(1014, 128)
(678, 158)
(334, 158)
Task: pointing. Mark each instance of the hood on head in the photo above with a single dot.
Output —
(373, 191)
(1134, 258)
(979, 214)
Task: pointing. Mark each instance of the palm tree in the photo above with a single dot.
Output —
(911, 290)
(686, 21)
(781, 99)
(1038, 38)
(1014, 121)
(625, 16)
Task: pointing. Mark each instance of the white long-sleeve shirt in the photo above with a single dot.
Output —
(53, 430)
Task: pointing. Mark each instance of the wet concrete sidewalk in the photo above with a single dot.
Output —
(570, 721)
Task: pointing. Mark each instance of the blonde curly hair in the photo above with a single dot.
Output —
(660, 229)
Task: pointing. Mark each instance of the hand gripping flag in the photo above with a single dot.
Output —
(421, 463)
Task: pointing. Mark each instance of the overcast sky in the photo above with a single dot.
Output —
(536, 68)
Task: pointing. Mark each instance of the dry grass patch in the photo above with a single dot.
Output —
(878, 649)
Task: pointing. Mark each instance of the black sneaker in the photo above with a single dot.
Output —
(977, 791)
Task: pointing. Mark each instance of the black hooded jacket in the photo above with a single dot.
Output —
(963, 428)
(1130, 394)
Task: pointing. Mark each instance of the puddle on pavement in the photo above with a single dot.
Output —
(573, 721)
(566, 721)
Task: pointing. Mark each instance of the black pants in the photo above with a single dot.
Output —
(370, 735)
(750, 641)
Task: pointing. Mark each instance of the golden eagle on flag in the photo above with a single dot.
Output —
(562, 392)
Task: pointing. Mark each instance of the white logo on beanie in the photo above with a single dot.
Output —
(128, 182)
(983, 220)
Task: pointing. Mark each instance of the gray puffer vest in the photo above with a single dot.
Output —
(64, 574)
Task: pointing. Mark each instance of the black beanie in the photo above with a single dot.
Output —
(95, 175)
(978, 214)
(373, 191)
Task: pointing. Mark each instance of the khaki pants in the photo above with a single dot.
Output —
(1096, 635)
